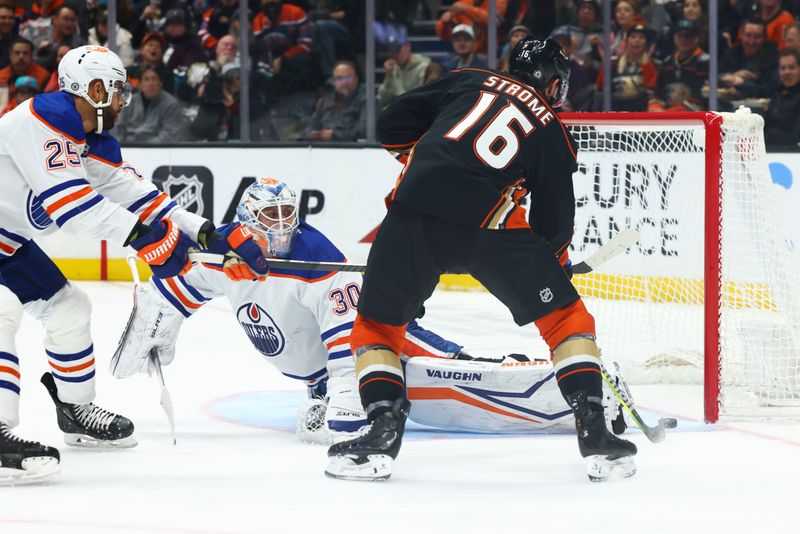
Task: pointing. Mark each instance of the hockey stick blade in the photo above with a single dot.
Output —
(657, 433)
(615, 246)
(166, 398)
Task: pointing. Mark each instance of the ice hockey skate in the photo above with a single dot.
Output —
(88, 425)
(370, 457)
(23, 461)
(606, 455)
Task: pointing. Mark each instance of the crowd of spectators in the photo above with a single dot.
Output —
(307, 58)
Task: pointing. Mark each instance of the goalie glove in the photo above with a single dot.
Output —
(251, 263)
(153, 323)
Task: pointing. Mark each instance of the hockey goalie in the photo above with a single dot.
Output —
(300, 321)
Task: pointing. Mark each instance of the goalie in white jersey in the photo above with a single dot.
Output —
(300, 321)
(60, 169)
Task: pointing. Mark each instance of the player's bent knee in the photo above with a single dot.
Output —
(10, 312)
(558, 325)
(69, 312)
(367, 333)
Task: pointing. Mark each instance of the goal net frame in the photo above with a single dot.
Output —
(712, 124)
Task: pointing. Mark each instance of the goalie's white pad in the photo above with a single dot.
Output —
(485, 396)
(153, 323)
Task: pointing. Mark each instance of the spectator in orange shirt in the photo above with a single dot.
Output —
(776, 19)
(24, 88)
(474, 13)
(22, 64)
(634, 77)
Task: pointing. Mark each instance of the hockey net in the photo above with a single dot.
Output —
(708, 293)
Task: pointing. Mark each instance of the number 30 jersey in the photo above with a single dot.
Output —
(479, 140)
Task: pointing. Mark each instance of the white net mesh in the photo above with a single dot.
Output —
(649, 302)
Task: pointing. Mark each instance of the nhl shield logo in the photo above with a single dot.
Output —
(261, 329)
(546, 295)
(187, 191)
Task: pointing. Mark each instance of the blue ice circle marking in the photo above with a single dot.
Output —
(781, 174)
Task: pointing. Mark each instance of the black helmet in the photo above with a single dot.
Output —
(536, 63)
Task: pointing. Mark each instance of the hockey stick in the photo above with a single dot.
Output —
(656, 433)
(616, 245)
(166, 398)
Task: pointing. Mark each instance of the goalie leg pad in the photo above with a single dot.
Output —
(66, 318)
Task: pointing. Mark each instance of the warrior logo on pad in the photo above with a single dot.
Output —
(261, 329)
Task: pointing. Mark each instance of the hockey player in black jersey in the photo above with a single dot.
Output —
(474, 143)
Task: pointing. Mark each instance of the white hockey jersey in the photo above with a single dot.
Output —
(52, 171)
(299, 320)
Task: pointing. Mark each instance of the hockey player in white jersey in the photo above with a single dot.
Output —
(300, 321)
(60, 169)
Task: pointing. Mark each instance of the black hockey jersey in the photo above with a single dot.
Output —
(478, 141)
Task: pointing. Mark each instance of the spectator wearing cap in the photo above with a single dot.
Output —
(216, 22)
(782, 126)
(63, 29)
(404, 71)
(472, 12)
(98, 36)
(151, 54)
(340, 114)
(515, 34)
(153, 116)
(581, 93)
(688, 66)
(748, 68)
(52, 83)
(634, 76)
(464, 54)
(25, 87)
(283, 42)
(7, 32)
(21, 64)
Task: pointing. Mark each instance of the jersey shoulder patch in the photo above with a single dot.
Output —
(104, 148)
(58, 112)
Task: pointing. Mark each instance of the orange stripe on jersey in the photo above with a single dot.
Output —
(60, 203)
(6, 248)
(309, 280)
(449, 394)
(158, 200)
(186, 302)
(341, 341)
(81, 367)
(9, 370)
(103, 160)
(212, 266)
(50, 126)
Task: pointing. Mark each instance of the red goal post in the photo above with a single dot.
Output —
(691, 299)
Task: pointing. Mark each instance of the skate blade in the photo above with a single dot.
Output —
(88, 442)
(600, 468)
(34, 470)
(375, 468)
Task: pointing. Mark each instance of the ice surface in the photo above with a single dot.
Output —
(228, 473)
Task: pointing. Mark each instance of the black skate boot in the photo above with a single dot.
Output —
(605, 453)
(24, 462)
(88, 425)
(370, 456)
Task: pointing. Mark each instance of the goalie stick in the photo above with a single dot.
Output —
(166, 398)
(656, 433)
(621, 242)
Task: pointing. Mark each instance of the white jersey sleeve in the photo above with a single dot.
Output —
(45, 140)
(122, 183)
(188, 293)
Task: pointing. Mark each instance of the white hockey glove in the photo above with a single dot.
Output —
(153, 324)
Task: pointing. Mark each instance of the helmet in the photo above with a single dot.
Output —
(536, 63)
(81, 65)
(268, 208)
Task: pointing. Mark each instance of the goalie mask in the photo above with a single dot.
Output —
(268, 208)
